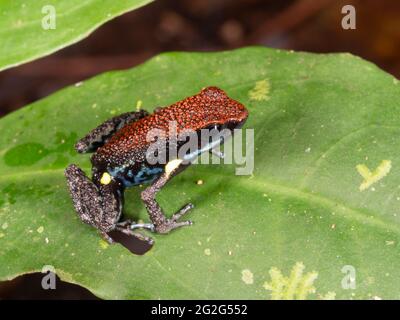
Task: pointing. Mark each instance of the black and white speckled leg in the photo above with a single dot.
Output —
(98, 136)
(161, 224)
(98, 206)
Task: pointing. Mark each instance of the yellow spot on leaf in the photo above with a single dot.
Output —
(297, 286)
(207, 252)
(2, 235)
(40, 229)
(260, 91)
(103, 244)
(4, 226)
(372, 177)
(247, 276)
(139, 104)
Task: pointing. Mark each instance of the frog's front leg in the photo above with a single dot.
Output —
(99, 135)
(160, 223)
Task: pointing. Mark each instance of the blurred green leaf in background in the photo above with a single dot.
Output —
(33, 29)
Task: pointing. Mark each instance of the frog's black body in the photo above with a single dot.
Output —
(119, 159)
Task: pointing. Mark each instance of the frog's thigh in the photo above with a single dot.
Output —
(97, 207)
(99, 135)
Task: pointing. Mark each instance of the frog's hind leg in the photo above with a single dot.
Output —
(99, 207)
(99, 135)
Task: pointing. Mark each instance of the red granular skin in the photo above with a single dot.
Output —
(211, 106)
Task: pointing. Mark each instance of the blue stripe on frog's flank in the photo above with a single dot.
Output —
(130, 178)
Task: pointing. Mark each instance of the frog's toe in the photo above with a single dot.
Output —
(148, 226)
(186, 208)
(170, 225)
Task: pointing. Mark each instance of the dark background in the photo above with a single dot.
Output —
(199, 25)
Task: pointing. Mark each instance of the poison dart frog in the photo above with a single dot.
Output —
(119, 161)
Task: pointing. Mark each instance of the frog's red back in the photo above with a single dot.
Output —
(210, 107)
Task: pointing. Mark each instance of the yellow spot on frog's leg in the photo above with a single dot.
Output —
(207, 252)
(1, 234)
(40, 229)
(372, 177)
(172, 165)
(105, 178)
(247, 276)
(260, 91)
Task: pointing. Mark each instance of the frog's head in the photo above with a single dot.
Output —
(221, 111)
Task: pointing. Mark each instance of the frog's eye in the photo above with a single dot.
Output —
(105, 178)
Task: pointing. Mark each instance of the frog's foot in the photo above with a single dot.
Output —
(167, 224)
(185, 209)
(170, 224)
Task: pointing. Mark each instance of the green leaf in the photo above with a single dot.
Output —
(23, 37)
(285, 231)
